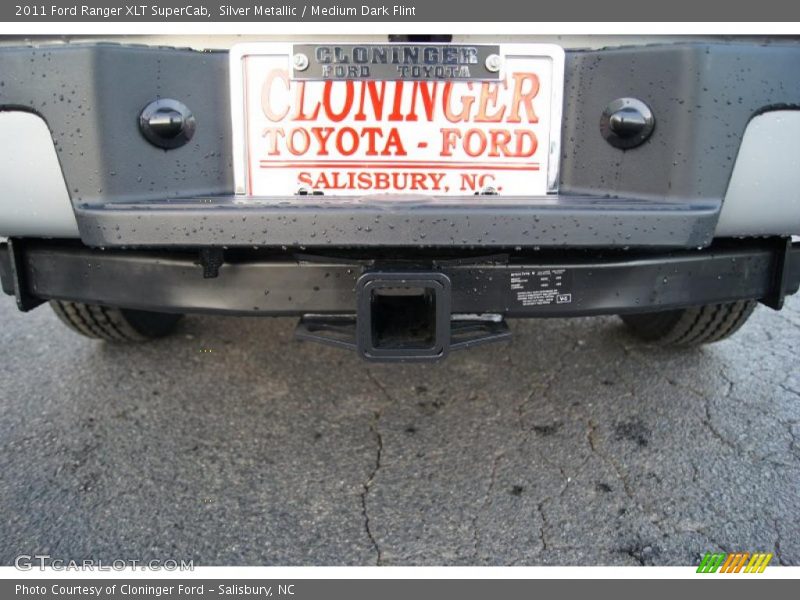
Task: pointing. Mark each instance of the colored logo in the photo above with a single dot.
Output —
(734, 562)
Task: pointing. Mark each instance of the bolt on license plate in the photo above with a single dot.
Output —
(418, 119)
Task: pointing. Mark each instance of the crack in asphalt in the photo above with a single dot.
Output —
(368, 484)
(706, 420)
(542, 537)
(717, 434)
(786, 388)
(635, 550)
(376, 417)
(547, 386)
(528, 432)
(714, 431)
(778, 554)
(485, 504)
(540, 506)
(590, 436)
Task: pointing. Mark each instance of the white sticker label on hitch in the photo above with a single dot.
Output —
(541, 287)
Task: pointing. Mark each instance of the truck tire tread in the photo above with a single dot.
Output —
(691, 326)
(113, 324)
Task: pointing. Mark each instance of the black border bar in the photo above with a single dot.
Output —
(405, 11)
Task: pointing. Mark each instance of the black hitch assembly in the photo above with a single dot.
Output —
(403, 317)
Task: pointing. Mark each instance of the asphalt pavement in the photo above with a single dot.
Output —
(232, 444)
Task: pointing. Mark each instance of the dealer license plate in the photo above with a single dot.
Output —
(417, 119)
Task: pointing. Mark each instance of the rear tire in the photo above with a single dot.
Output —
(690, 326)
(114, 324)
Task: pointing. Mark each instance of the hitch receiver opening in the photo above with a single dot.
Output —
(403, 316)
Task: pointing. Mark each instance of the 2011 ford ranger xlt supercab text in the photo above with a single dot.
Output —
(403, 197)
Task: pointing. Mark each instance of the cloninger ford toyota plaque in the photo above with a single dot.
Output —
(367, 119)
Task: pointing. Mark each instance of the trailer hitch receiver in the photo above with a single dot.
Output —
(403, 316)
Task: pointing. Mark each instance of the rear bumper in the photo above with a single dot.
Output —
(542, 284)
(573, 221)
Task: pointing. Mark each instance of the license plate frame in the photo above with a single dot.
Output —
(546, 131)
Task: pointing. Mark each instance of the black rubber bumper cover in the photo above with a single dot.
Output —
(574, 221)
(544, 284)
